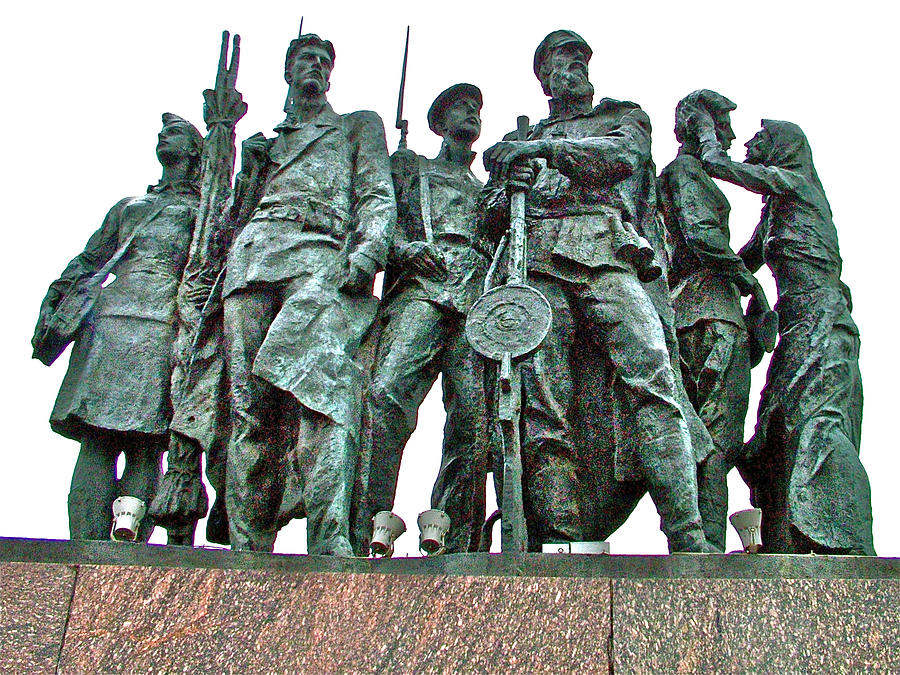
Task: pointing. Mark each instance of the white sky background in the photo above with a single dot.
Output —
(85, 84)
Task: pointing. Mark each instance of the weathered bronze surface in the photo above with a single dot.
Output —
(588, 171)
(802, 464)
(585, 318)
(707, 280)
(298, 299)
(439, 257)
(115, 396)
(200, 420)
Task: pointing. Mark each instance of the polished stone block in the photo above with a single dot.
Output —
(34, 605)
(100, 606)
(143, 619)
(759, 626)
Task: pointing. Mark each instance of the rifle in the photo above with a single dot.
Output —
(223, 108)
(508, 323)
(402, 124)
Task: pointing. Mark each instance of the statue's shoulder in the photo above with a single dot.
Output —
(682, 164)
(117, 211)
(613, 106)
(610, 107)
(363, 118)
(406, 162)
(125, 201)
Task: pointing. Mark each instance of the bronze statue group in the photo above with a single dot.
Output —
(241, 325)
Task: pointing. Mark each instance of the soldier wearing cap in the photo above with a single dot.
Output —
(589, 177)
(707, 279)
(439, 258)
(298, 298)
(114, 398)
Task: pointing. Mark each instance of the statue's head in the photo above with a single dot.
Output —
(782, 144)
(561, 64)
(308, 64)
(456, 113)
(178, 140)
(719, 109)
(759, 148)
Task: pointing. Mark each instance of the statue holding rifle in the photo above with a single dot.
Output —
(297, 301)
(199, 386)
(587, 171)
(439, 257)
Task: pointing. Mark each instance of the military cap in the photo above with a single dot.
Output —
(303, 41)
(173, 120)
(558, 38)
(712, 100)
(447, 98)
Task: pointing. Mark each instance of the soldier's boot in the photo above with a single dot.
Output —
(672, 483)
(712, 486)
(181, 534)
(552, 499)
(93, 490)
(217, 523)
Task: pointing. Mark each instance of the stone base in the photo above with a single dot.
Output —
(97, 606)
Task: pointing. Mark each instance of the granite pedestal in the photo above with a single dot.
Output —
(97, 606)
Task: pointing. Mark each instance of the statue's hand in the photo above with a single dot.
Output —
(522, 175)
(762, 326)
(196, 294)
(423, 258)
(223, 106)
(712, 152)
(360, 275)
(500, 157)
(403, 159)
(254, 150)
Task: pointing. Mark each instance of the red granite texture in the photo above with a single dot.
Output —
(154, 619)
(34, 602)
(756, 625)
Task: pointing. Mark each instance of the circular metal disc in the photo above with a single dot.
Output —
(511, 318)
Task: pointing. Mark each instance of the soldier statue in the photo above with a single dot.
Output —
(590, 177)
(707, 280)
(297, 300)
(114, 398)
(438, 263)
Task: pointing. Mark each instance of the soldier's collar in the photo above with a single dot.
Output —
(325, 117)
(181, 187)
(559, 111)
(684, 152)
(444, 156)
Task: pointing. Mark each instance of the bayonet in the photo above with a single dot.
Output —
(401, 123)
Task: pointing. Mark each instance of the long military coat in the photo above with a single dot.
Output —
(327, 187)
(574, 221)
